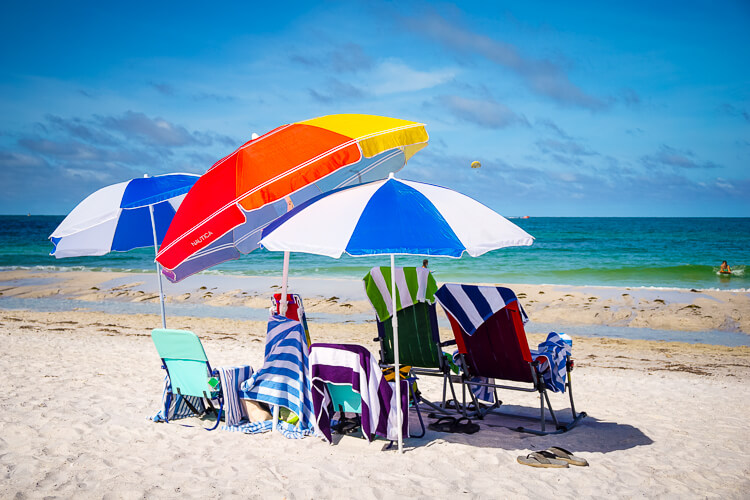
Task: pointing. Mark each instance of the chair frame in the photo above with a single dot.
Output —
(534, 377)
(295, 308)
(443, 369)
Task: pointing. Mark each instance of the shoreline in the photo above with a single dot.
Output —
(332, 299)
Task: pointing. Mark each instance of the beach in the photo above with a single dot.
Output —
(668, 309)
(665, 419)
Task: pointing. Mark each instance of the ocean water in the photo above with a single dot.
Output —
(605, 251)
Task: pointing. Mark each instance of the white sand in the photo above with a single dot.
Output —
(665, 420)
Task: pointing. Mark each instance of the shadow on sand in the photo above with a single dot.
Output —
(497, 431)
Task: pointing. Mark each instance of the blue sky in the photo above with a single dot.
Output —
(585, 109)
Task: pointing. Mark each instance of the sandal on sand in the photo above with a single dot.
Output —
(443, 424)
(538, 460)
(468, 428)
(452, 424)
(557, 453)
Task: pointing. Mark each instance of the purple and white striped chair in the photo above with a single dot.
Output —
(354, 367)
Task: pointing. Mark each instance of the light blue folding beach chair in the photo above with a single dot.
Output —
(190, 374)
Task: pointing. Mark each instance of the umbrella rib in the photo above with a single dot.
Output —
(366, 170)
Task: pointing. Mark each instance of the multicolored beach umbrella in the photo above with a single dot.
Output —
(223, 215)
(121, 217)
(393, 217)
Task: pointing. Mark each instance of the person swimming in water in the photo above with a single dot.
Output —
(725, 269)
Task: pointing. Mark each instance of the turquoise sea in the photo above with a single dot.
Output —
(609, 251)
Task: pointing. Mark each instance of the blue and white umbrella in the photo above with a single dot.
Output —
(393, 217)
(121, 217)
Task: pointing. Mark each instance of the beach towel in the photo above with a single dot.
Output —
(354, 365)
(481, 392)
(173, 406)
(413, 284)
(472, 305)
(283, 380)
(553, 354)
(232, 378)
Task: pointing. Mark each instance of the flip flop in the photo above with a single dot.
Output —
(538, 460)
(443, 424)
(557, 453)
(452, 425)
(467, 428)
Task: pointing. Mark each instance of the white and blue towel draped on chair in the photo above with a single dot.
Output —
(284, 380)
(353, 365)
(472, 305)
(173, 406)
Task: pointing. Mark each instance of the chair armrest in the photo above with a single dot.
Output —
(537, 361)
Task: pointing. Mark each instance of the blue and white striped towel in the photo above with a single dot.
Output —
(555, 351)
(481, 392)
(284, 379)
(472, 305)
(232, 378)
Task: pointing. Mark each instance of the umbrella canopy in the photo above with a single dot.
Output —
(393, 217)
(223, 215)
(117, 218)
(121, 217)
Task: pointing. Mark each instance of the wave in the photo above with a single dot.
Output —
(468, 271)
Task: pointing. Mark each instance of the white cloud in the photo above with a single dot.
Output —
(393, 76)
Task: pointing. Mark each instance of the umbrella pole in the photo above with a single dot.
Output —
(394, 322)
(158, 269)
(282, 311)
(284, 282)
(283, 306)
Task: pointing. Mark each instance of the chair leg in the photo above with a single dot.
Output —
(448, 382)
(541, 414)
(419, 413)
(569, 384)
(168, 406)
(549, 405)
(218, 414)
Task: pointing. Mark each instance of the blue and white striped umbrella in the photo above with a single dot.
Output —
(393, 217)
(121, 217)
(117, 218)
